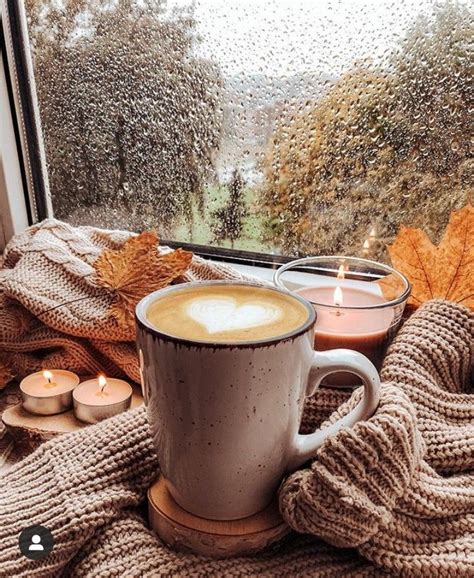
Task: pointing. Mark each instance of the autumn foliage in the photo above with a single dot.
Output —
(388, 144)
(135, 270)
(130, 114)
(446, 271)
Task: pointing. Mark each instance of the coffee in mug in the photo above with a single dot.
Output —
(226, 367)
(226, 313)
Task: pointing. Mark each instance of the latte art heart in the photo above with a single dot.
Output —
(219, 314)
(226, 313)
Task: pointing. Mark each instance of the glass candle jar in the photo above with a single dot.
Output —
(359, 303)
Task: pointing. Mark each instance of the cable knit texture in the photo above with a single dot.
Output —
(380, 485)
(394, 495)
(52, 313)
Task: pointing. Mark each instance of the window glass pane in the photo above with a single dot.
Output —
(287, 126)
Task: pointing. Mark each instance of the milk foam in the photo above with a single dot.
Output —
(219, 313)
(226, 313)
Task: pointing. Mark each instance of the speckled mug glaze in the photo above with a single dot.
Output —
(225, 416)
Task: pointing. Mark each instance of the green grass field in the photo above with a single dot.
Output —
(201, 232)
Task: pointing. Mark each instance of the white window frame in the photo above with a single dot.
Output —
(13, 209)
(24, 189)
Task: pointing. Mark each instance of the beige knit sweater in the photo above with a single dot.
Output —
(394, 494)
(53, 314)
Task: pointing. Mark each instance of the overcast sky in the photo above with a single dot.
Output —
(280, 37)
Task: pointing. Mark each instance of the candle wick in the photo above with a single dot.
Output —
(50, 383)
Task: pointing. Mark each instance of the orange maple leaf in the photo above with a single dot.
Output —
(135, 270)
(444, 272)
(391, 286)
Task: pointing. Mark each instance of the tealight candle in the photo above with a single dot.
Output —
(100, 398)
(48, 392)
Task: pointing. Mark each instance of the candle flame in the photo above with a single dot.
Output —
(48, 375)
(102, 383)
(372, 233)
(342, 272)
(366, 245)
(338, 299)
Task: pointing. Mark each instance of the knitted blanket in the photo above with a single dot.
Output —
(53, 314)
(393, 495)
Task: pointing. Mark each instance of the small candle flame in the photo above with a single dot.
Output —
(342, 272)
(338, 299)
(48, 375)
(372, 234)
(366, 247)
(49, 379)
(102, 383)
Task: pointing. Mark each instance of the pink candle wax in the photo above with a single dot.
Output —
(363, 330)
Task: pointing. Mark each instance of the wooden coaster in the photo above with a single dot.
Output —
(189, 533)
(30, 430)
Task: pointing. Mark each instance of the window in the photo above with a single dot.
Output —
(286, 127)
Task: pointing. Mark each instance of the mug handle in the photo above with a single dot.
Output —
(323, 364)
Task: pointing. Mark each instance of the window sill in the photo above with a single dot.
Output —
(264, 273)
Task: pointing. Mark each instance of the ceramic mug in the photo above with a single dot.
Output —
(225, 416)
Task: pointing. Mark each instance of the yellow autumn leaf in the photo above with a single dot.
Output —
(456, 258)
(135, 270)
(444, 272)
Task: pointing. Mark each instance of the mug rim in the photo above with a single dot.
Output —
(142, 321)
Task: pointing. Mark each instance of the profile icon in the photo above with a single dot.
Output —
(36, 545)
(36, 542)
